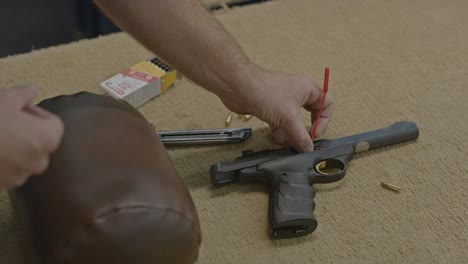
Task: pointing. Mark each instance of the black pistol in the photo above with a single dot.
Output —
(291, 174)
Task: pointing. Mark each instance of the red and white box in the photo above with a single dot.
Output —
(136, 89)
(141, 82)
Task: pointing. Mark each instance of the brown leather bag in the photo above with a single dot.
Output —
(111, 193)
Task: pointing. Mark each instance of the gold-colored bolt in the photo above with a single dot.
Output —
(228, 120)
(390, 186)
(247, 117)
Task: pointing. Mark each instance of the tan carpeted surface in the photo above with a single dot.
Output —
(390, 61)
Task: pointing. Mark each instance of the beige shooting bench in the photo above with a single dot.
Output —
(390, 61)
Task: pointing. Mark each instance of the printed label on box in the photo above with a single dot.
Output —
(122, 85)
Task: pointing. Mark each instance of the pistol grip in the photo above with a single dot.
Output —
(291, 205)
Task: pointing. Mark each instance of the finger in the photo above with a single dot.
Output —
(39, 139)
(38, 111)
(314, 100)
(56, 130)
(11, 176)
(279, 136)
(314, 107)
(21, 96)
(49, 132)
(39, 165)
(30, 157)
(298, 135)
(322, 126)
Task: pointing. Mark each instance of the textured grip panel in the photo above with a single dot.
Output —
(291, 205)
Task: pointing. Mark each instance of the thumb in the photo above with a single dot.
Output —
(298, 135)
(22, 96)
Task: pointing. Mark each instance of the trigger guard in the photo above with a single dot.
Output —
(318, 176)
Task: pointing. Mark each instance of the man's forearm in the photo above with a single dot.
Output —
(190, 39)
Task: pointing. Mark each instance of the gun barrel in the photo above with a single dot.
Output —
(394, 134)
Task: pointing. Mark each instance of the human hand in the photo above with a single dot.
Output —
(28, 135)
(277, 99)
